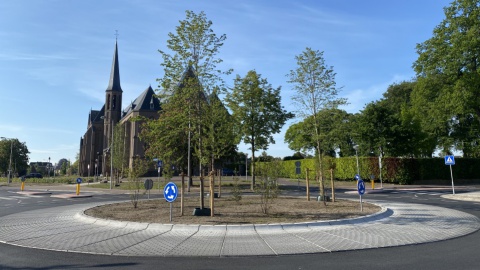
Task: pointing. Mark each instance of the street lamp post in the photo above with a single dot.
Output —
(111, 153)
(189, 154)
(380, 165)
(189, 174)
(88, 168)
(356, 154)
(10, 163)
(49, 167)
(111, 158)
(96, 169)
(97, 161)
(246, 166)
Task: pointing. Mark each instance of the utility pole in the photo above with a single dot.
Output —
(111, 158)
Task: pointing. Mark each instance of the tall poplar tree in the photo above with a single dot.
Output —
(190, 76)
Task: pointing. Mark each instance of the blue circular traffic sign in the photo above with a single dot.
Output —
(170, 192)
(79, 180)
(361, 187)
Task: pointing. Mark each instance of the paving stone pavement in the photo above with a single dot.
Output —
(67, 229)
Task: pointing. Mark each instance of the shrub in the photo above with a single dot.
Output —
(267, 187)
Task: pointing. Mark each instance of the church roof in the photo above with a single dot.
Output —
(95, 116)
(147, 101)
(114, 84)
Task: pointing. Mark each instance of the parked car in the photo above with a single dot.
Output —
(34, 175)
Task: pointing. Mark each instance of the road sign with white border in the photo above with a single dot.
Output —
(361, 187)
(449, 160)
(170, 192)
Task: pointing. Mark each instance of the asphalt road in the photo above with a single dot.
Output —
(459, 253)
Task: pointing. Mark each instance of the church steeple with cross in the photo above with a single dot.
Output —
(113, 98)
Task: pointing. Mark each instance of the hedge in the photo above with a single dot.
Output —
(394, 170)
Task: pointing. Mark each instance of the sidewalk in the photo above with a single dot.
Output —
(67, 229)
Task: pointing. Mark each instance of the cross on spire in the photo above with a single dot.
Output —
(116, 35)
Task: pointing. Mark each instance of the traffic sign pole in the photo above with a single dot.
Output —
(451, 175)
(450, 160)
(361, 204)
(361, 189)
(170, 192)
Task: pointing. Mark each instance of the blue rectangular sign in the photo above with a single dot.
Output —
(449, 160)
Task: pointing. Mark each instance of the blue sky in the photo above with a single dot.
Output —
(55, 55)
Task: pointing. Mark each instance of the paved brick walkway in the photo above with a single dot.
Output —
(68, 229)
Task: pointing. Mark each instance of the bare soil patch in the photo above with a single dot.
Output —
(228, 211)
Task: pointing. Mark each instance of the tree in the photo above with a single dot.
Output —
(257, 112)
(448, 88)
(335, 133)
(196, 46)
(375, 129)
(19, 156)
(120, 157)
(221, 136)
(139, 168)
(315, 86)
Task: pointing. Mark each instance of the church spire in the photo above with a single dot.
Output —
(114, 84)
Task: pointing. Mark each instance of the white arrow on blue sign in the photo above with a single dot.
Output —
(170, 192)
(449, 160)
(361, 187)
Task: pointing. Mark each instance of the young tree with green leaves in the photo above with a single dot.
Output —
(257, 112)
(120, 156)
(221, 134)
(448, 77)
(389, 125)
(335, 127)
(139, 168)
(315, 86)
(196, 46)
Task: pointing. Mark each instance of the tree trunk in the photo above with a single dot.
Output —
(252, 171)
(320, 174)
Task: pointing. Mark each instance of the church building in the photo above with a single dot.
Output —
(95, 144)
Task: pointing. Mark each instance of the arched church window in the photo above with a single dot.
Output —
(114, 101)
(108, 102)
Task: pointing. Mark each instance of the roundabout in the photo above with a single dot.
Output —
(68, 229)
